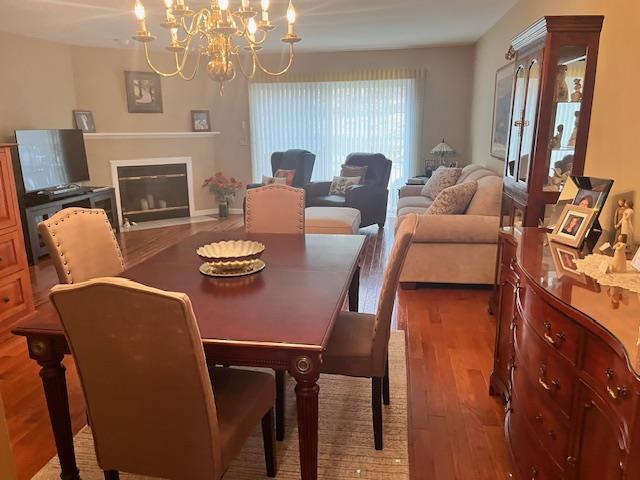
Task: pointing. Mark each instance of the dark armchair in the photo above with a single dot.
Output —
(301, 161)
(370, 197)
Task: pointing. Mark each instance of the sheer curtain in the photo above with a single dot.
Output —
(335, 118)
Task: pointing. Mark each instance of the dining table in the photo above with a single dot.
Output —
(279, 318)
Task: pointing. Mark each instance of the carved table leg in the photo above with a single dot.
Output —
(49, 354)
(306, 371)
(354, 291)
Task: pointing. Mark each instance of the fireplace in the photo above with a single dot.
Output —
(153, 189)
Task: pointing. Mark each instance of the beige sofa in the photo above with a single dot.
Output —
(454, 248)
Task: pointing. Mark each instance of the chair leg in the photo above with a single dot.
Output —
(385, 385)
(280, 403)
(111, 475)
(376, 407)
(269, 439)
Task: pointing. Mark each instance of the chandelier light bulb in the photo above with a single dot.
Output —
(291, 13)
(265, 5)
(139, 10)
(223, 4)
(168, 3)
(252, 26)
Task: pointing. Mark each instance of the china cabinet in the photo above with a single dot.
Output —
(555, 70)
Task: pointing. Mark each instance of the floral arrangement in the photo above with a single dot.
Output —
(223, 188)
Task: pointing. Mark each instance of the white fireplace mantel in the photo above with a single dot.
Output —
(147, 135)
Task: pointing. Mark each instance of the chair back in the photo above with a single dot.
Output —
(81, 244)
(378, 167)
(404, 236)
(275, 209)
(145, 380)
(302, 161)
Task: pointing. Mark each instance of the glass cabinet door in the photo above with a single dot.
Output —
(529, 121)
(515, 134)
(570, 73)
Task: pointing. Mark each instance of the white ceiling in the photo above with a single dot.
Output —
(325, 25)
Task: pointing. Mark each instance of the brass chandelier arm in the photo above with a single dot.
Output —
(195, 70)
(248, 76)
(281, 72)
(179, 65)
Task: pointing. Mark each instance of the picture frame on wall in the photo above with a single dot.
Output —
(573, 225)
(84, 121)
(200, 121)
(144, 92)
(502, 97)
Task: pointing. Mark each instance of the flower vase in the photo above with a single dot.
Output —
(223, 209)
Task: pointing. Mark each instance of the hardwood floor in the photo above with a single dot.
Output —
(455, 428)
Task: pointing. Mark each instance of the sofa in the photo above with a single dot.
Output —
(458, 249)
(370, 198)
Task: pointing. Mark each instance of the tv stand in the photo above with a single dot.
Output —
(91, 197)
(47, 195)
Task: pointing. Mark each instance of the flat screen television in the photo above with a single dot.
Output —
(51, 158)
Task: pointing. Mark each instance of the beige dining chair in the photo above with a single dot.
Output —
(359, 342)
(81, 244)
(275, 209)
(149, 395)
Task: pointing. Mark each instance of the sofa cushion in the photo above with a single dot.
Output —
(488, 197)
(419, 201)
(442, 178)
(478, 174)
(340, 184)
(329, 201)
(468, 170)
(288, 175)
(453, 200)
(354, 171)
(408, 210)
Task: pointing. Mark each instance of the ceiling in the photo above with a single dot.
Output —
(325, 25)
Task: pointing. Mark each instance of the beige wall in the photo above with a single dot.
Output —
(36, 85)
(613, 139)
(448, 96)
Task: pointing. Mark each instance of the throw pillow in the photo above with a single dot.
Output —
(442, 178)
(354, 171)
(288, 175)
(453, 200)
(271, 180)
(340, 184)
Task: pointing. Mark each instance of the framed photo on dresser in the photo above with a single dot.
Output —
(573, 225)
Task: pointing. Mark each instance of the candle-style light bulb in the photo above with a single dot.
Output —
(174, 35)
(168, 3)
(252, 27)
(291, 17)
(265, 5)
(223, 4)
(139, 11)
(245, 4)
(265, 11)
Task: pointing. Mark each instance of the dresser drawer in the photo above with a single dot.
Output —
(550, 428)
(9, 256)
(611, 378)
(13, 300)
(8, 210)
(554, 328)
(544, 367)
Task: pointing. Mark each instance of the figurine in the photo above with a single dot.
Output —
(619, 264)
(626, 223)
(556, 141)
(574, 132)
(576, 96)
(617, 219)
(562, 91)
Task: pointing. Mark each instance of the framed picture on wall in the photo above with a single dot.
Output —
(200, 121)
(84, 121)
(502, 96)
(144, 92)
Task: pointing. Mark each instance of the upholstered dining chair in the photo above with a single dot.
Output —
(149, 395)
(359, 342)
(81, 244)
(275, 209)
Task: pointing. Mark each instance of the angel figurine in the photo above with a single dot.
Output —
(556, 140)
(625, 224)
(619, 264)
(562, 90)
(576, 95)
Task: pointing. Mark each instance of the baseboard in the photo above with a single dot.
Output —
(214, 211)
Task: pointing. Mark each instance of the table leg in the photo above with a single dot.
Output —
(306, 372)
(354, 291)
(49, 355)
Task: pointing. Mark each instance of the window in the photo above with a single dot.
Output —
(333, 119)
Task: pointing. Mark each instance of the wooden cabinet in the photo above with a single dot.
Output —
(16, 298)
(572, 385)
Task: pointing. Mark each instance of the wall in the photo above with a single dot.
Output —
(613, 145)
(448, 96)
(37, 85)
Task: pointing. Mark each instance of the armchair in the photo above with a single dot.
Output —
(301, 161)
(370, 197)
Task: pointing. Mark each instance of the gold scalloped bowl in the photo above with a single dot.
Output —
(231, 254)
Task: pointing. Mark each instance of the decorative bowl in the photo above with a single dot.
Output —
(231, 254)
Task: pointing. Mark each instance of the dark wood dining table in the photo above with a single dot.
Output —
(280, 318)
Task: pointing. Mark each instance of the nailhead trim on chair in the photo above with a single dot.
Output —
(54, 221)
(254, 192)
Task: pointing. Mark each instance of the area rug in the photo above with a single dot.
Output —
(345, 434)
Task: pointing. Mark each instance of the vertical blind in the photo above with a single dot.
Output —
(335, 118)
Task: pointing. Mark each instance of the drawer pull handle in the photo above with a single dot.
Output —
(556, 342)
(539, 418)
(544, 383)
(618, 393)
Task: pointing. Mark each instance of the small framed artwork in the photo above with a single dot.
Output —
(502, 97)
(84, 121)
(573, 225)
(592, 192)
(144, 92)
(200, 121)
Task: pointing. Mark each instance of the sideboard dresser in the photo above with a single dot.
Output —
(567, 363)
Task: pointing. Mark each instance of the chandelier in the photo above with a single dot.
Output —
(220, 35)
